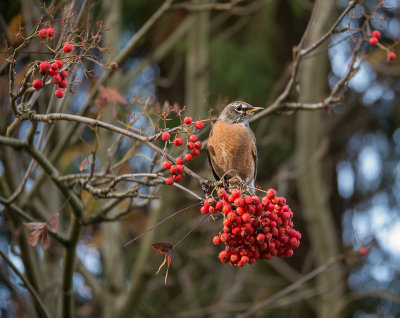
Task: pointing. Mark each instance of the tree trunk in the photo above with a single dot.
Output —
(197, 64)
(312, 187)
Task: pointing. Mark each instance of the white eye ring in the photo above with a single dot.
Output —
(239, 108)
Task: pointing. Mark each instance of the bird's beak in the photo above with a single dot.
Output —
(255, 109)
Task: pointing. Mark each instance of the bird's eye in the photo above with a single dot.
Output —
(239, 107)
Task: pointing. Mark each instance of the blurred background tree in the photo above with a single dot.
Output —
(337, 166)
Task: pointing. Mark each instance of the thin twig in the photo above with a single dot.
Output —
(27, 284)
(159, 223)
(292, 287)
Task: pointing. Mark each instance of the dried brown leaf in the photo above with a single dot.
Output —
(40, 231)
(114, 96)
(35, 225)
(35, 237)
(53, 224)
(164, 248)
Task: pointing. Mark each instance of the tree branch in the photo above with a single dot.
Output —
(28, 285)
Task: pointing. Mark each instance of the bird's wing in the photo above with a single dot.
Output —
(209, 156)
(210, 161)
(255, 156)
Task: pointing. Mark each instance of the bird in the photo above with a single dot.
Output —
(231, 146)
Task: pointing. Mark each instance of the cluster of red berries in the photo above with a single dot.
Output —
(175, 170)
(193, 149)
(49, 33)
(253, 229)
(374, 40)
(58, 76)
(44, 33)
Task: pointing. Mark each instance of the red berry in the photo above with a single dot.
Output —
(64, 74)
(177, 177)
(248, 199)
(60, 63)
(256, 199)
(52, 72)
(190, 145)
(391, 56)
(246, 217)
(260, 238)
(224, 237)
(169, 181)
(271, 193)
(68, 48)
(188, 120)
(219, 205)
(59, 93)
(376, 34)
(221, 193)
(238, 202)
(114, 65)
(167, 164)
(37, 84)
(197, 144)
(234, 258)
(204, 209)
(173, 169)
(226, 209)
(289, 252)
(50, 32)
(178, 142)
(180, 168)
(216, 240)
(231, 216)
(193, 138)
(56, 79)
(199, 124)
(54, 66)
(236, 230)
(236, 193)
(165, 136)
(195, 152)
(240, 211)
(44, 67)
(373, 41)
(179, 161)
(244, 259)
(43, 33)
(188, 157)
(363, 251)
(224, 256)
(62, 84)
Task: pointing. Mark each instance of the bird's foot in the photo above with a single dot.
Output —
(238, 183)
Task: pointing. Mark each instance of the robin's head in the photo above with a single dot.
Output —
(238, 112)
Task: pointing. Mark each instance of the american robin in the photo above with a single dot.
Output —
(231, 146)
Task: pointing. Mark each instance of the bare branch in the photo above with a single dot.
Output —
(299, 53)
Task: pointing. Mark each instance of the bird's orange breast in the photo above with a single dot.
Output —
(232, 147)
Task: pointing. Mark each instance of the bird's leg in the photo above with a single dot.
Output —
(237, 182)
